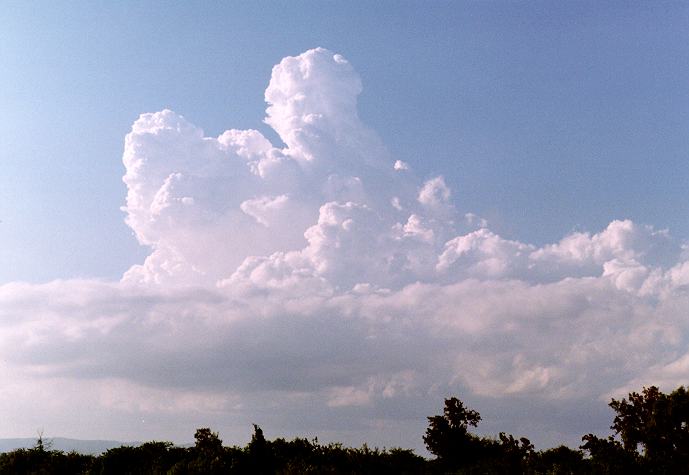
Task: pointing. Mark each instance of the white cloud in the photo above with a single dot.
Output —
(292, 283)
(484, 254)
(400, 165)
(416, 228)
(265, 208)
(434, 192)
(622, 240)
(474, 220)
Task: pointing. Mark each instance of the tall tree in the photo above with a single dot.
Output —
(655, 424)
(448, 438)
(651, 434)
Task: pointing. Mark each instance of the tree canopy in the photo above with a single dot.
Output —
(650, 435)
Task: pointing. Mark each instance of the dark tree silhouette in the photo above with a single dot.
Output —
(559, 461)
(208, 443)
(458, 450)
(448, 438)
(260, 453)
(210, 454)
(651, 434)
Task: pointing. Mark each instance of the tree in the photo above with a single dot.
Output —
(655, 424)
(560, 461)
(260, 453)
(651, 434)
(208, 443)
(448, 438)
(209, 453)
(516, 453)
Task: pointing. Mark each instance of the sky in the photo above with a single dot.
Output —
(327, 217)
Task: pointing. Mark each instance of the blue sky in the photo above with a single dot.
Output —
(576, 112)
(541, 189)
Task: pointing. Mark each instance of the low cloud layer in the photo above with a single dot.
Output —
(322, 288)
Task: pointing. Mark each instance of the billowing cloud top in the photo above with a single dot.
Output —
(326, 274)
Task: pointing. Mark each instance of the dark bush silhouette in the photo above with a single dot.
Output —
(458, 450)
(651, 436)
(38, 460)
(448, 437)
(559, 461)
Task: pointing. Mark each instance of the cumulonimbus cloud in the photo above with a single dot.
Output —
(325, 274)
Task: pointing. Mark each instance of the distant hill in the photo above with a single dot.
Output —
(93, 447)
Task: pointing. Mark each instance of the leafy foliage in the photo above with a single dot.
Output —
(39, 461)
(650, 436)
(448, 437)
(455, 448)
(653, 432)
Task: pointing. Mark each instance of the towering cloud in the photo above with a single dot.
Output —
(325, 275)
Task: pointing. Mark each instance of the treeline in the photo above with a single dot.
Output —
(651, 436)
(209, 456)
